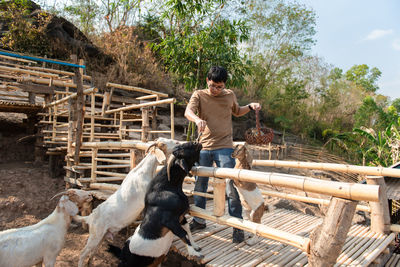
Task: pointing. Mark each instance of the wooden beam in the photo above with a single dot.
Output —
(328, 239)
(37, 89)
(137, 106)
(136, 89)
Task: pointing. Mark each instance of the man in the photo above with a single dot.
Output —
(215, 107)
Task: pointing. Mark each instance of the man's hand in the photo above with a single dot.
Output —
(255, 106)
(201, 125)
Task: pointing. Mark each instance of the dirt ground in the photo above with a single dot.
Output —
(25, 193)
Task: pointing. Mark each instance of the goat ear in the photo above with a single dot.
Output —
(69, 206)
(160, 156)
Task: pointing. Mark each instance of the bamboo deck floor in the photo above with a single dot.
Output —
(362, 246)
(393, 188)
(393, 261)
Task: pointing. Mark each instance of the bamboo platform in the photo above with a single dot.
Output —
(393, 188)
(393, 261)
(362, 246)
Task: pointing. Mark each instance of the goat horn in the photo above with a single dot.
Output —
(169, 163)
(147, 150)
(59, 194)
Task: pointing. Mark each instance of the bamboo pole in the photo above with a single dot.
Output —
(94, 165)
(137, 106)
(136, 89)
(18, 59)
(31, 72)
(147, 97)
(192, 192)
(313, 200)
(101, 186)
(117, 174)
(145, 124)
(124, 144)
(121, 161)
(172, 120)
(132, 160)
(101, 179)
(351, 191)
(259, 229)
(74, 95)
(121, 117)
(80, 110)
(61, 72)
(219, 197)
(92, 113)
(366, 170)
(380, 217)
(47, 81)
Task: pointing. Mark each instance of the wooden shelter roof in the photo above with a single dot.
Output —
(18, 107)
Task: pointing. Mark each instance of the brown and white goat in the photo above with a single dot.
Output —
(250, 195)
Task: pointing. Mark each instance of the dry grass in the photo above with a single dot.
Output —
(135, 62)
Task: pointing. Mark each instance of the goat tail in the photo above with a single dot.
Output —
(80, 219)
(116, 251)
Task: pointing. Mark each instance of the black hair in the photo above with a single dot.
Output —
(217, 74)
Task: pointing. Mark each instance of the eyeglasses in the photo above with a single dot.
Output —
(218, 88)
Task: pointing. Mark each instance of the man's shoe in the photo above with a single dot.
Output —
(237, 236)
(196, 226)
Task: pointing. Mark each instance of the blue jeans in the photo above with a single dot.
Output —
(222, 158)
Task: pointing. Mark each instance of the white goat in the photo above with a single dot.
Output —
(250, 195)
(125, 205)
(41, 242)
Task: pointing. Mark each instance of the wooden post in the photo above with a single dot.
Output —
(54, 120)
(106, 96)
(380, 217)
(93, 103)
(219, 196)
(154, 120)
(71, 117)
(145, 124)
(172, 121)
(80, 109)
(94, 165)
(327, 239)
(31, 98)
(121, 118)
(133, 158)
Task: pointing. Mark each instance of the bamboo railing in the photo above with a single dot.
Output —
(365, 170)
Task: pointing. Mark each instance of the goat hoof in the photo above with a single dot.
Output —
(197, 257)
(197, 248)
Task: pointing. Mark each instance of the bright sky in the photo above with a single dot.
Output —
(351, 32)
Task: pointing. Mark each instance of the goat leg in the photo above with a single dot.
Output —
(186, 227)
(172, 223)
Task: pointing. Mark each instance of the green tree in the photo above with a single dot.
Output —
(363, 76)
(194, 37)
(84, 14)
(26, 33)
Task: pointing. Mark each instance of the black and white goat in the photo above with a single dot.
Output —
(249, 193)
(164, 213)
(41, 242)
(125, 205)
